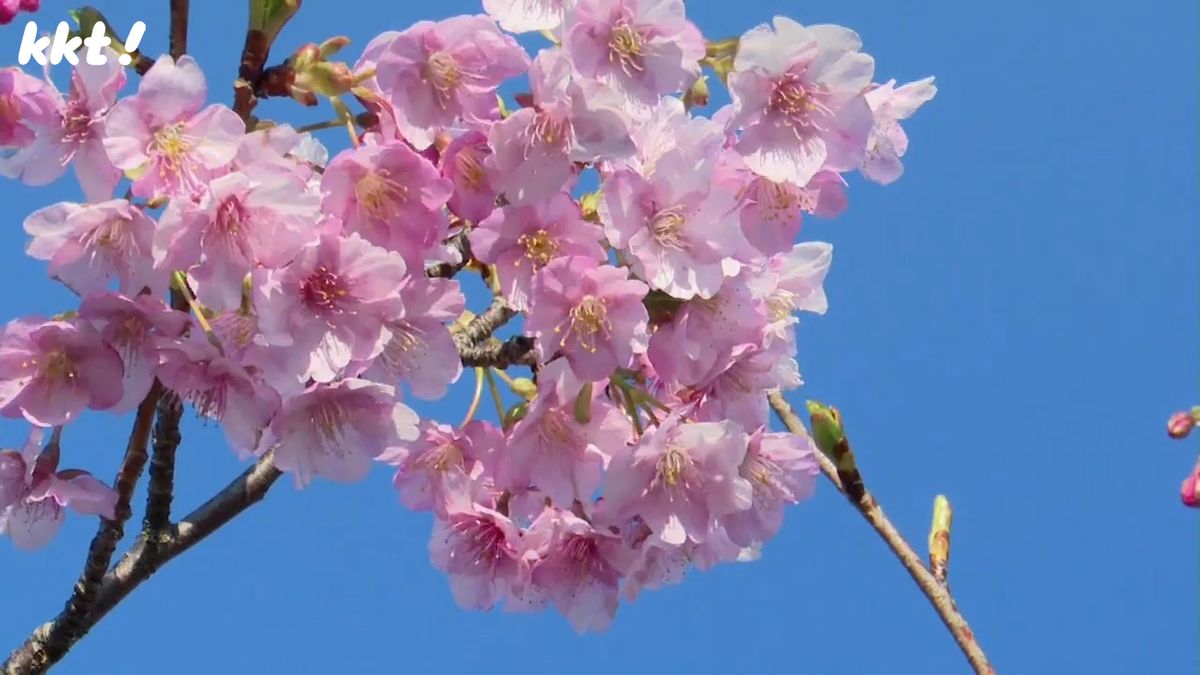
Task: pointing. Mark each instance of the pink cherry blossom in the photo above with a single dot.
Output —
(437, 73)
(527, 16)
(26, 103)
(783, 470)
(51, 370)
(641, 48)
(680, 234)
(551, 451)
(332, 303)
(431, 467)
(888, 142)
(419, 348)
(134, 328)
(481, 551)
(73, 133)
(466, 163)
(572, 121)
(219, 389)
(90, 245)
(680, 478)
(390, 196)
(34, 493)
(591, 314)
(335, 430)
(797, 94)
(580, 569)
(520, 240)
(793, 282)
(240, 223)
(163, 138)
(733, 388)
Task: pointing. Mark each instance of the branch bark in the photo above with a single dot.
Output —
(50, 642)
(142, 561)
(179, 28)
(156, 525)
(937, 594)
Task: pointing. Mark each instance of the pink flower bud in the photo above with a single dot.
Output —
(1180, 424)
(1189, 492)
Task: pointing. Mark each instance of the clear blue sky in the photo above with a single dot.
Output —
(1010, 324)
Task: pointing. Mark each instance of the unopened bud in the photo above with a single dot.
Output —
(332, 46)
(270, 16)
(515, 414)
(1189, 492)
(305, 57)
(326, 78)
(1182, 423)
(939, 538)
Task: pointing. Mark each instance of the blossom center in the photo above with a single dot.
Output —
(557, 429)
(323, 290)
(58, 367)
(764, 475)
(588, 320)
(551, 130)
(10, 113)
(172, 144)
(673, 467)
(379, 196)
(443, 72)
(625, 47)
(667, 228)
(539, 247)
(485, 541)
(442, 457)
(329, 418)
(796, 100)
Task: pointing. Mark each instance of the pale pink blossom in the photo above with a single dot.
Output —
(680, 478)
(527, 16)
(332, 303)
(390, 196)
(466, 163)
(437, 73)
(679, 233)
(429, 468)
(243, 221)
(481, 551)
(26, 104)
(783, 469)
(797, 94)
(34, 493)
(73, 133)
(572, 120)
(90, 245)
(520, 240)
(219, 389)
(336, 430)
(50, 371)
(579, 568)
(793, 282)
(551, 451)
(591, 314)
(419, 349)
(164, 139)
(641, 48)
(733, 388)
(888, 142)
(134, 327)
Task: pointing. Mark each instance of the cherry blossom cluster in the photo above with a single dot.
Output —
(647, 254)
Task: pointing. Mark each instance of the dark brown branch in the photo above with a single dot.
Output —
(481, 327)
(515, 351)
(938, 595)
(179, 28)
(156, 525)
(461, 245)
(143, 560)
(254, 56)
(48, 644)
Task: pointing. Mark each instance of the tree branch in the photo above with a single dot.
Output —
(515, 351)
(143, 560)
(49, 643)
(938, 595)
(156, 525)
(481, 327)
(179, 28)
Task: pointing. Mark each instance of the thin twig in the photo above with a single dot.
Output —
(156, 525)
(143, 560)
(938, 595)
(49, 643)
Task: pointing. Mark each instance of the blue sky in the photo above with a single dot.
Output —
(1010, 324)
